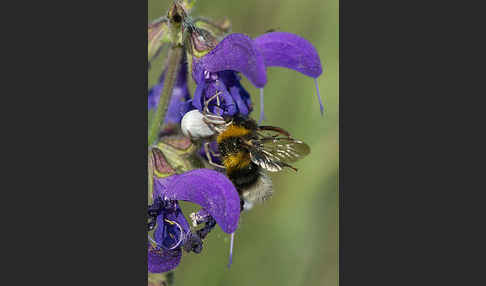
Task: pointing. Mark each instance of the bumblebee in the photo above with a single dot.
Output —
(247, 150)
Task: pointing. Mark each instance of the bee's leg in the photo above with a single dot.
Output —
(289, 166)
(276, 129)
(208, 155)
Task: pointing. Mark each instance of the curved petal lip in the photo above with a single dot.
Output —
(290, 51)
(238, 53)
(210, 189)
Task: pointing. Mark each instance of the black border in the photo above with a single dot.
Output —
(79, 152)
(408, 215)
(80, 106)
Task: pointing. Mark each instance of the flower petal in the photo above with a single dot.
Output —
(237, 91)
(163, 260)
(237, 52)
(198, 95)
(228, 105)
(197, 71)
(289, 51)
(180, 94)
(161, 185)
(172, 229)
(235, 94)
(154, 92)
(210, 189)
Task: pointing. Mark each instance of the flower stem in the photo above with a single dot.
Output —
(161, 279)
(170, 278)
(173, 63)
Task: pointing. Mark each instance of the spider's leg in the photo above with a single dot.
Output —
(208, 155)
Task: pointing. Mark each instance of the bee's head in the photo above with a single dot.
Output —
(245, 121)
(230, 146)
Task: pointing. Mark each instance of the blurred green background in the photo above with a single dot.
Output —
(292, 239)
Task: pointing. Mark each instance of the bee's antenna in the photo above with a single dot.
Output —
(231, 250)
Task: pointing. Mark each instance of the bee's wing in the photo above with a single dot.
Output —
(286, 149)
(274, 153)
(157, 37)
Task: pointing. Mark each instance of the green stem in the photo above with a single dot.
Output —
(161, 279)
(173, 63)
(170, 278)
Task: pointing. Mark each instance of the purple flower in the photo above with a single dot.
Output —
(169, 235)
(290, 51)
(233, 96)
(220, 203)
(180, 95)
(215, 73)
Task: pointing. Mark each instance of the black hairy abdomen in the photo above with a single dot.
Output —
(245, 177)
